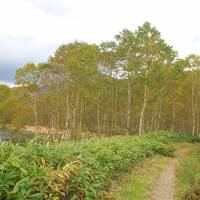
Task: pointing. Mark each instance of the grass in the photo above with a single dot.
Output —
(188, 175)
(39, 169)
(136, 185)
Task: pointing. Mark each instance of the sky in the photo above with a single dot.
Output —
(32, 30)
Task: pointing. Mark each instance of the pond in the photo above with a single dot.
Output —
(15, 136)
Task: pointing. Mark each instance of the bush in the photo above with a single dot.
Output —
(73, 170)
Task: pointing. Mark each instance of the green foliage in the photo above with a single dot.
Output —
(4, 93)
(72, 170)
(29, 74)
(188, 176)
(135, 184)
(167, 137)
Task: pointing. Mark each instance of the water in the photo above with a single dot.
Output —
(16, 137)
(3, 135)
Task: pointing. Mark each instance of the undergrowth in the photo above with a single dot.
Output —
(188, 176)
(41, 169)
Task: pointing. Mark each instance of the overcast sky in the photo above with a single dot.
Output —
(31, 30)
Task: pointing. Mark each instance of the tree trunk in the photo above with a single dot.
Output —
(98, 113)
(104, 123)
(193, 109)
(173, 118)
(67, 110)
(74, 112)
(142, 113)
(80, 120)
(159, 111)
(115, 113)
(35, 112)
(128, 107)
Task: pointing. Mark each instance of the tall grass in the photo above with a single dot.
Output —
(74, 170)
(188, 176)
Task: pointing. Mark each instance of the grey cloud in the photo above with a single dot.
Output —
(7, 71)
(10, 59)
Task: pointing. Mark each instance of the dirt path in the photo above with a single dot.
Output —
(164, 189)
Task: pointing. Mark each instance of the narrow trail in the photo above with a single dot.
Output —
(164, 189)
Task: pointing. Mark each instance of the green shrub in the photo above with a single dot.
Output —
(73, 170)
(188, 175)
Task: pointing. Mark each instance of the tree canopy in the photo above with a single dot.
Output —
(132, 84)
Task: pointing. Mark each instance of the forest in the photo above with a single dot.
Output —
(134, 84)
